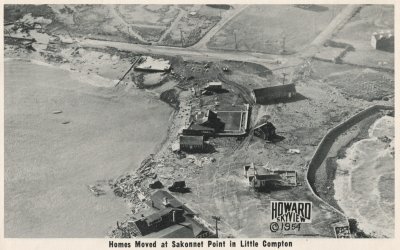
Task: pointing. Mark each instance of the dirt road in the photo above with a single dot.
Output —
(269, 61)
(333, 27)
(122, 20)
(173, 26)
(202, 44)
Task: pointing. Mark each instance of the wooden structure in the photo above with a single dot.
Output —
(279, 93)
(269, 179)
(265, 131)
(191, 143)
(384, 40)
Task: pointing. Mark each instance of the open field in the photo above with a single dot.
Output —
(261, 28)
(367, 84)
(357, 32)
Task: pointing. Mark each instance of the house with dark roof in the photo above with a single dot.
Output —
(172, 219)
(158, 221)
(265, 131)
(191, 143)
(266, 179)
(274, 94)
(196, 129)
(209, 119)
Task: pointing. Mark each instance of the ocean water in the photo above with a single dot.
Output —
(364, 184)
(48, 163)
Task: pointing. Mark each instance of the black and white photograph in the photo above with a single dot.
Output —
(222, 120)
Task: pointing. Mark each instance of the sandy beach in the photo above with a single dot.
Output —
(364, 183)
(63, 132)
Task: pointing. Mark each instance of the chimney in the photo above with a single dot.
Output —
(246, 169)
(165, 202)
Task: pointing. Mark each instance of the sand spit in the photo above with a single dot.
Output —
(364, 183)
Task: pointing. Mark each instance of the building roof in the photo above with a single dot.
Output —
(214, 84)
(149, 63)
(195, 140)
(182, 230)
(207, 116)
(269, 177)
(382, 35)
(195, 126)
(274, 91)
(265, 125)
(157, 215)
(158, 199)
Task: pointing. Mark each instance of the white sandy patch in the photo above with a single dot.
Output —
(364, 181)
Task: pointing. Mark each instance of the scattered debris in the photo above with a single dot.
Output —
(95, 189)
(293, 151)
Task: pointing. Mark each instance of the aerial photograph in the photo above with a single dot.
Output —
(199, 121)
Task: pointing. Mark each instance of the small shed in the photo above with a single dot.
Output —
(274, 94)
(265, 131)
(213, 86)
(191, 142)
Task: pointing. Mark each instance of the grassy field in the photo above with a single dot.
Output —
(261, 28)
(366, 84)
(357, 32)
(152, 15)
(195, 22)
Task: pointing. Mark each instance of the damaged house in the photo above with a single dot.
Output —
(172, 219)
(265, 179)
(205, 123)
(265, 131)
(191, 143)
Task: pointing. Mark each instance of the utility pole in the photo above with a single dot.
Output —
(181, 36)
(284, 78)
(283, 43)
(216, 218)
(236, 47)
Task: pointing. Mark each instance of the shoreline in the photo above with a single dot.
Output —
(358, 191)
(342, 143)
(150, 96)
(328, 189)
